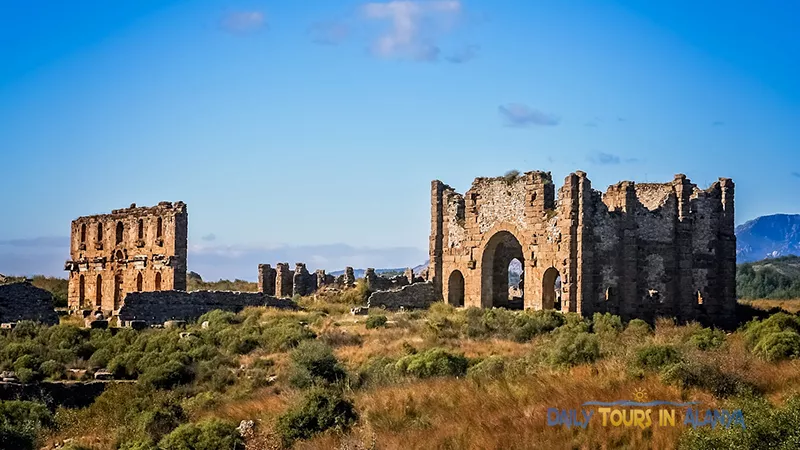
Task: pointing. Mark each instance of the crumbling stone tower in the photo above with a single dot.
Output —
(638, 250)
(134, 249)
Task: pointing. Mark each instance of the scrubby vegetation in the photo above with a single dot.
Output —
(442, 378)
(773, 278)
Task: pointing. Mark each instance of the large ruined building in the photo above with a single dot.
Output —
(639, 250)
(135, 249)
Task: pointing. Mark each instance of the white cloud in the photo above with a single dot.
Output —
(412, 25)
(243, 21)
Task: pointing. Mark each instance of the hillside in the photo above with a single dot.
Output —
(771, 278)
(768, 237)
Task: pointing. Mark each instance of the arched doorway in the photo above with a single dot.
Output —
(516, 284)
(98, 292)
(117, 291)
(81, 292)
(501, 249)
(551, 289)
(455, 289)
(139, 282)
(158, 281)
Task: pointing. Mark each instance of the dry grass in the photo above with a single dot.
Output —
(791, 306)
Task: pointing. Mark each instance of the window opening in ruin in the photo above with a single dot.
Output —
(83, 232)
(159, 227)
(81, 292)
(139, 282)
(120, 232)
(158, 281)
(551, 289)
(609, 293)
(699, 298)
(502, 252)
(117, 290)
(141, 229)
(455, 289)
(98, 292)
(516, 284)
(100, 232)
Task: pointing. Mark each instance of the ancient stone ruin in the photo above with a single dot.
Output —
(282, 282)
(135, 249)
(24, 301)
(639, 250)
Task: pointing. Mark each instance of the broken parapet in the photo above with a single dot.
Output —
(349, 276)
(376, 282)
(283, 280)
(24, 301)
(413, 296)
(162, 306)
(303, 282)
(266, 279)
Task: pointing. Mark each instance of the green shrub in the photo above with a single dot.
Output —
(606, 323)
(767, 427)
(778, 345)
(757, 329)
(378, 370)
(320, 410)
(53, 369)
(209, 435)
(376, 321)
(574, 347)
(219, 317)
(711, 378)
(489, 368)
(22, 423)
(167, 375)
(707, 339)
(432, 363)
(656, 356)
(315, 363)
(638, 327)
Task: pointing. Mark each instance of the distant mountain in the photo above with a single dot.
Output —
(768, 237)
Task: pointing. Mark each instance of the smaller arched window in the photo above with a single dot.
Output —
(100, 232)
(609, 293)
(120, 232)
(139, 282)
(699, 298)
(83, 232)
(158, 281)
(159, 228)
(141, 229)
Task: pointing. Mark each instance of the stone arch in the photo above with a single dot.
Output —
(117, 291)
(98, 292)
(455, 288)
(500, 249)
(159, 227)
(100, 232)
(551, 297)
(141, 229)
(139, 282)
(83, 232)
(158, 281)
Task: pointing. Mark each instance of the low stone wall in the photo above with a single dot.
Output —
(161, 306)
(69, 394)
(24, 301)
(412, 296)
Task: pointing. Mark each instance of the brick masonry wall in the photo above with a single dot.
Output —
(159, 307)
(23, 301)
(638, 250)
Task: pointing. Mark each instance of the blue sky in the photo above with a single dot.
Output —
(310, 130)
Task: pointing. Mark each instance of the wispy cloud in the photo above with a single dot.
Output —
(329, 32)
(796, 174)
(209, 237)
(519, 115)
(242, 22)
(412, 27)
(606, 159)
(466, 54)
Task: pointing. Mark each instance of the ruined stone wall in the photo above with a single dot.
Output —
(638, 250)
(413, 296)
(132, 249)
(159, 307)
(24, 301)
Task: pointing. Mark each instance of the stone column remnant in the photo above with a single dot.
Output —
(266, 279)
(349, 276)
(302, 280)
(283, 280)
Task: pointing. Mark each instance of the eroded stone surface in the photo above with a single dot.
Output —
(608, 250)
